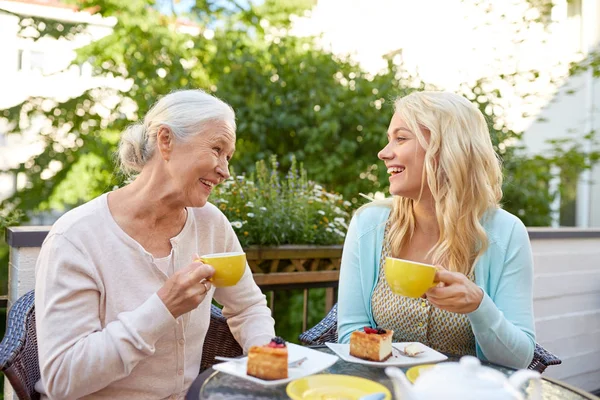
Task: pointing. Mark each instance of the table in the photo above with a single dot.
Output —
(214, 385)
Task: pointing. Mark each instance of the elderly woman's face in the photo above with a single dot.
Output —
(199, 164)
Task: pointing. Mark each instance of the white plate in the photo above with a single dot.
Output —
(316, 361)
(428, 356)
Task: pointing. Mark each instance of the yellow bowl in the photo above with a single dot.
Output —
(327, 386)
(413, 373)
(229, 267)
(409, 278)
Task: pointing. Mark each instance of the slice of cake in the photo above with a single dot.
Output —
(373, 344)
(269, 362)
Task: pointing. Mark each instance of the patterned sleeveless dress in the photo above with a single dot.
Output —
(416, 320)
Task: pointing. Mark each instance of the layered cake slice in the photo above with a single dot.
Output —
(269, 362)
(373, 344)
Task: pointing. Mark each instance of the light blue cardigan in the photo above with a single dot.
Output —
(503, 324)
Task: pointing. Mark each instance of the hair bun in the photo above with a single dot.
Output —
(132, 148)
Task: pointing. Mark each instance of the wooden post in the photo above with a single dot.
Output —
(329, 299)
(305, 310)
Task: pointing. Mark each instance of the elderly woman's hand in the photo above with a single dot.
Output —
(455, 292)
(186, 288)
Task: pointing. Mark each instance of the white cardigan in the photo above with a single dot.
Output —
(102, 331)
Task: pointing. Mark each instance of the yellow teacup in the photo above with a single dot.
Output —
(229, 267)
(409, 278)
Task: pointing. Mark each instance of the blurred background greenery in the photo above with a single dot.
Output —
(293, 99)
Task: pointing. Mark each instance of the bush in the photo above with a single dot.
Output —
(268, 210)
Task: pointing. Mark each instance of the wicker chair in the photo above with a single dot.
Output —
(219, 341)
(19, 353)
(18, 350)
(326, 331)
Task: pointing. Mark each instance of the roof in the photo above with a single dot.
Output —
(48, 3)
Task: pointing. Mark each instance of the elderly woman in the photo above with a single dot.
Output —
(446, 184)
(122, 309)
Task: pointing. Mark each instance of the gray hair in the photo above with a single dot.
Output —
(183, 112)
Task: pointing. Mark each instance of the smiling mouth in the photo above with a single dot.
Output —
(395, 170)
(209, 185)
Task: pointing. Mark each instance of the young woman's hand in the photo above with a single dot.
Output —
(186, 288)
(455, 292)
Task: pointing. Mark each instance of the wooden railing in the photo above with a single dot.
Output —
(297, 267)
(275, 269)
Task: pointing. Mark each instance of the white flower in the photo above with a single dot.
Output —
(342, 234)
(263, 208)
(223, 201)
(240, 177)
(251, 215)
(321, 212)
(249, 204)
(249, 183)
(237, 224)
(341, 222)
(347, 204)
(329, 229)
(318, 187)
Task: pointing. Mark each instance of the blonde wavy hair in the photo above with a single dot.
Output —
(463, 174)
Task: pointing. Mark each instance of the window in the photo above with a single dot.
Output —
(30, 60)
(36, 61)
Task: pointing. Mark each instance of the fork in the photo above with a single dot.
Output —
(292, 364)
(403, 353)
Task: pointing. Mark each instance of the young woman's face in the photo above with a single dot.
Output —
(199, 164)
(404, 159)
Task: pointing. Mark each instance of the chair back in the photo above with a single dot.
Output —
(219, 340)
(19, 350)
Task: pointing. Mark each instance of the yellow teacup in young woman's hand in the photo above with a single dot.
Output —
(409, 278)
(229, 267)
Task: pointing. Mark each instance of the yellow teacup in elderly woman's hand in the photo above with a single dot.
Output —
(229, 267)
(409, 278)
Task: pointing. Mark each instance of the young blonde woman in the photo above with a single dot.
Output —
(446, 184)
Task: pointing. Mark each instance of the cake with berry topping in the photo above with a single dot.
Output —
(373, 344)
(269, 362)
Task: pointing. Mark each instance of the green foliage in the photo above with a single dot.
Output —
(287, 307)
(527, 190)
(266, 209)
(9, 218)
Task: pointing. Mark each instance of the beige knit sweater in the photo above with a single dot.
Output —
(102, 331)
